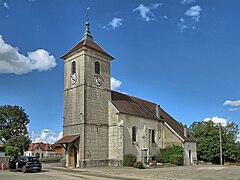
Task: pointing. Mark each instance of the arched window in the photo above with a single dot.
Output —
(153, 135)
(134, 134)
(73, 67)
(97, 67)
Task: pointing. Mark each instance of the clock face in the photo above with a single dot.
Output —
(73, 78)
(97, 81)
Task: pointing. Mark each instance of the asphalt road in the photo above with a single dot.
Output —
(197, 172)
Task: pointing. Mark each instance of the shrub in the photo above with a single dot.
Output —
(129, 159)
(176, 159)
(138, 165)
(165, 153)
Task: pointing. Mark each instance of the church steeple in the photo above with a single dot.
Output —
(87, 35)
(86, 41)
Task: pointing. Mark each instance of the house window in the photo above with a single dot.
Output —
(73, 67)
(153, 135)
(37, 148)
(134, 134)
(97, 67)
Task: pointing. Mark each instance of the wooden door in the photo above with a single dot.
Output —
(72, 156)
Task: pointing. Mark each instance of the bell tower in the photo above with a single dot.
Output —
(86, 94)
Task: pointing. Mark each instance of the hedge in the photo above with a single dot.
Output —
(176, 159)
(129, 159)
(169, 151)
(138, 165)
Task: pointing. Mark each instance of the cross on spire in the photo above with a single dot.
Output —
(87, 35)
(87, 14)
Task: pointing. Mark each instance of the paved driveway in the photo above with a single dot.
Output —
(198, 172)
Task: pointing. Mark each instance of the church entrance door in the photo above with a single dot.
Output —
(72, 156)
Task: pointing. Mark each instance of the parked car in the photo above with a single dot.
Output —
(25, 163)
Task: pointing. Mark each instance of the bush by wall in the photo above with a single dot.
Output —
(176, 159)
(169, 151)
(138, 165)
(129, 159)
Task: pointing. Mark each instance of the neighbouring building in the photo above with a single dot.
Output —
(40, 150)
(101, 125)
(58, 149)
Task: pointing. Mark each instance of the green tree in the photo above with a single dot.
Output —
(21, 142)
(238, 151)
(207, 136)
(13, 128)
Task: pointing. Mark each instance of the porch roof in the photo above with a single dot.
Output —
(67, 139)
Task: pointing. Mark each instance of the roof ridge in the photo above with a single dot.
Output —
(135, 97)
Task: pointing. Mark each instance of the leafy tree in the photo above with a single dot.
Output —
(21, 142)
(207, 136)
(12, 150)
(13, 128)
(238, 151)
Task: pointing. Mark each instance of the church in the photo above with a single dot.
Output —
(100, 126)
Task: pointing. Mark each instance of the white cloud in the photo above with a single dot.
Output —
(217, 120)
(194, 12)
(238, 137)
(182, 25)
(46, 136)
(115, 84)
(234, 109)
(11, 61)
(145, 11)
(165, 17)
(116, 22)
(60, 135)
(232, 103)
(187, 1)
(6, 5)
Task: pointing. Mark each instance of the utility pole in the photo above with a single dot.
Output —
(220, 143)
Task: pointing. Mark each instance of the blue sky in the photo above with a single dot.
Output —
(181, 54)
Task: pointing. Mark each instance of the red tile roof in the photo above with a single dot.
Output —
(42, 146)
(138, 107)
(87, 43)
(67, 139)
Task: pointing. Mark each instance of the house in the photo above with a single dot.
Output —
(100, 126)
(58, 149)
(40, 150)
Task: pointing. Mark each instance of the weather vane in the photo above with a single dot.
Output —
(87, 16)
